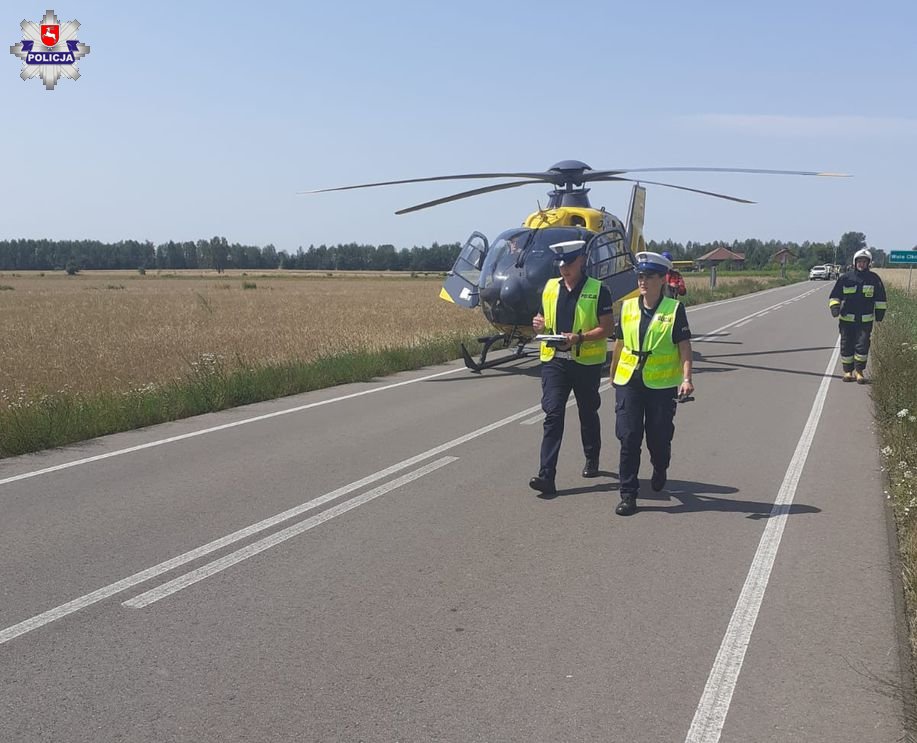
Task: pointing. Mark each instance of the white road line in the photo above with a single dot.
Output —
(103, 593)
(205, 571)
(743, 324)
(714, 702)
(192, 434)
(706, 305)
(736, 323)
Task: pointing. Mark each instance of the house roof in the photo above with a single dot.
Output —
(722, 254)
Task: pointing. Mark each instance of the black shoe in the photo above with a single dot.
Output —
(592, 468)
(542, 485)
(627, 506)
(658, 481)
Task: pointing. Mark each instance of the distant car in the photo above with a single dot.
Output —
(820, 272)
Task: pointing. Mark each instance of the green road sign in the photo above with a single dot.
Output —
(903, 256)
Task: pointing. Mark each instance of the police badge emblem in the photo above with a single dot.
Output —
(49, 50)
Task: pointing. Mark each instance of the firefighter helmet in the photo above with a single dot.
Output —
(862, 254)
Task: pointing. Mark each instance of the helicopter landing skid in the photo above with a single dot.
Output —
(478, 366)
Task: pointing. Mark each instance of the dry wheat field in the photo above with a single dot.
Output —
(697, 281)
(898, 278)
(115, 331)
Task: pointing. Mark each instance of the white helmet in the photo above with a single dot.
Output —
(862, 254)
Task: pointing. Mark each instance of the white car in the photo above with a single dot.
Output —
(819, 272)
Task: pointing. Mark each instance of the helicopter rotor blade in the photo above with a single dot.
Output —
(536, 177)
(591, 176)
(680, 188)
(464, 195)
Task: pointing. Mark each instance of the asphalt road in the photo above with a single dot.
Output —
(367, 563)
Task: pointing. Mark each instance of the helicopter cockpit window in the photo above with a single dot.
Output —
(511, 242)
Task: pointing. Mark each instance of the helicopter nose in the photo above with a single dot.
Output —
(513, 293)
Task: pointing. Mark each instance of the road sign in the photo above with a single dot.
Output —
(903, 256)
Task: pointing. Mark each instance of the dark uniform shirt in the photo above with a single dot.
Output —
(680, 331)
(857, 303)
(566, 305)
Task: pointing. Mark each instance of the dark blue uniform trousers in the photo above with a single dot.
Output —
(855, 341)
(558, 377)
(637, 408)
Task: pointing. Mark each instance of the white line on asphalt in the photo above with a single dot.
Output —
(192, 434)
(714, 702)
(741, 320)
(205, 571)
(707, 305)
(103, 593)
(743, 324)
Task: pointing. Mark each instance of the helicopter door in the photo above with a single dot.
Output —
(609, 261)
(461, 284)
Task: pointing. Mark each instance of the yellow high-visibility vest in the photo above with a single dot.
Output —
(585, 318)
(662, 367)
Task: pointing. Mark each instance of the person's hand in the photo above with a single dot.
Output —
(538, 323)
(835, 311)
(686, 388)
(570, 340)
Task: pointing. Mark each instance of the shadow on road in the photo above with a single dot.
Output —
(700, 358)
(700, 496)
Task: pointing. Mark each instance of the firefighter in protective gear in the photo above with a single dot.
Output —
(674, 281)
(651, 365)
(857, 300)
(578, 310)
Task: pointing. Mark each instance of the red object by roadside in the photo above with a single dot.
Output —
(676, 283)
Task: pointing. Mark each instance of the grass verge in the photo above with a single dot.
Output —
(50, 420)
(64, 418)
(894, 390)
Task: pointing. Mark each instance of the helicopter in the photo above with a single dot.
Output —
(506, 277)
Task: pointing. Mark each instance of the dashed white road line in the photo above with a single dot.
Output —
(713, 707)
(743, 320)
(110, 590)
(205, 571)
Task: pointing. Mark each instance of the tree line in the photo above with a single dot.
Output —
(219, 254)
(760, 254)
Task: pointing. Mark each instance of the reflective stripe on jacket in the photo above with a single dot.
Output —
(585, 318)
(662, 362)
(860, 297)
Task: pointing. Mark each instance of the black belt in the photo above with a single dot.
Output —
(642, 356)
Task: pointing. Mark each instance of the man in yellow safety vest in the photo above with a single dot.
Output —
(577, 311)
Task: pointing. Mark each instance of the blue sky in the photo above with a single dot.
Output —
(203, 118)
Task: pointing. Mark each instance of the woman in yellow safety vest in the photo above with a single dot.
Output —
(650, 367)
